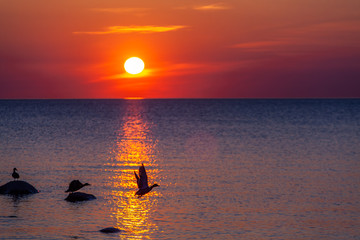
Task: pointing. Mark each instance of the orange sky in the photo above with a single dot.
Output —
(201, 49)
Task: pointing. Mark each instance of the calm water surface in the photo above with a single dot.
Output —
(227, 169)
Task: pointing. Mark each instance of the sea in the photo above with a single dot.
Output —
(226, 168)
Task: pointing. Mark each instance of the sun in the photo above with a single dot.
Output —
(134, 65)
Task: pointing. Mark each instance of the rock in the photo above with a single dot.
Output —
(79, 196)
(110, 230)
(17, 188)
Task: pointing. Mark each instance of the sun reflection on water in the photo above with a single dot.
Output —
(134, 147)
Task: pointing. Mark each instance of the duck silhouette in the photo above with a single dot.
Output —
(15, 175)
(76, 185)
(142, 182)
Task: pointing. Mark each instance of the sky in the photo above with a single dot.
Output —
(191, 49)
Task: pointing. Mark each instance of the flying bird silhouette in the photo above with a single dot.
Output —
(142, 182)
(76, 185)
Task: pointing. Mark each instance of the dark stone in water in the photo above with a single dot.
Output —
(79, 196)
(110, 230)
(10, 216)
(17, 188)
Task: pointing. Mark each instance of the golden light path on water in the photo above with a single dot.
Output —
(134, 147)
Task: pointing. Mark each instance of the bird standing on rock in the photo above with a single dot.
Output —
(76, 185)
(142, 182)
(15, 175)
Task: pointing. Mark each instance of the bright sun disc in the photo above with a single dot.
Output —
(134, 65)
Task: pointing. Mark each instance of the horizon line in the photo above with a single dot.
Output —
(189, 98)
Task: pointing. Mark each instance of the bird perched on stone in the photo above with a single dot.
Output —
(15, 175)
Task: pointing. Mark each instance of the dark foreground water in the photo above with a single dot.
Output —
(227, 169)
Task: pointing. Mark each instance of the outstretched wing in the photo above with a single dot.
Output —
(138, 181)
(143, 177)
(75, 184)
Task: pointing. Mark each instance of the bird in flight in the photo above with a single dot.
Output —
(142, 182)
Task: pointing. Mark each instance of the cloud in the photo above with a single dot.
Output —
(177, 69)
(121, 10)
(258, 44)
(333, 26)
(308, 38)
(182, 69)
(262, 45)
(145, 73)
(135, 29)
(215, 6)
